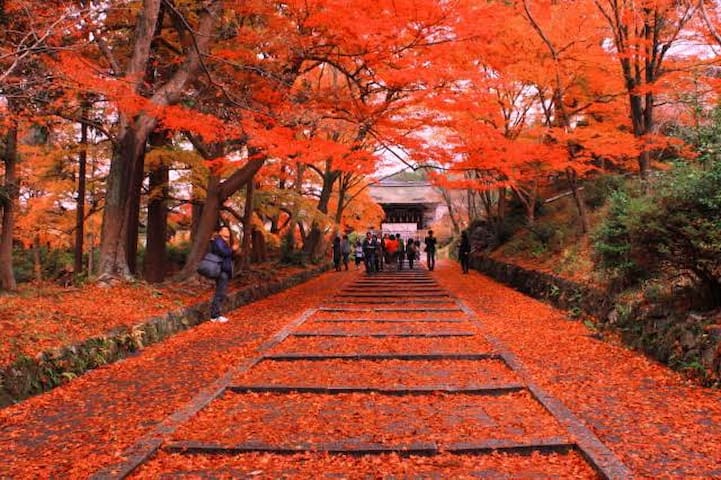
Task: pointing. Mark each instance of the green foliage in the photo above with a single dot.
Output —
(706, 136)
(596, 192)
(290, 254)
(677, 226)
(613, 240)
(53, 263)
(178, 253)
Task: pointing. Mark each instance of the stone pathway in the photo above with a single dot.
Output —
(395, 375)
(329, 389)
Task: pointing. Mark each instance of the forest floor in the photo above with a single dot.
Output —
(43, 317)
(648, 417)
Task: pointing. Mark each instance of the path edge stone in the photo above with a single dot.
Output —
(29, 376)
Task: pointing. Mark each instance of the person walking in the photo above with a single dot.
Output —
(222, 246)
(358, 254)
(464, 252)
(401, 252)
(345, 250)
(391, 247)
(430, 242)
(369, 252)
(336, 253)
(411, 252)
(378, 253)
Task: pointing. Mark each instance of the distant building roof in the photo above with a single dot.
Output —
(400, 192)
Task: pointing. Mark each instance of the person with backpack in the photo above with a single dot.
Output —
(222, 246)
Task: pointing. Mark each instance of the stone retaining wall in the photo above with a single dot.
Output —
(560, 292)
(688, 342)
(32, 375)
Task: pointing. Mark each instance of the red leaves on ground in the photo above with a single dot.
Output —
(86, 424)
(411, 345)
(380, 374)
(655, 422)
(41, 318)
(462, 467)
(291, 419)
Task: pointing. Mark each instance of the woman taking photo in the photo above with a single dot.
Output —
(222, 246)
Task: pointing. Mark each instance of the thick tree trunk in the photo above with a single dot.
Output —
(640, 114)
(314, 240)
(132, 219)
(118, 216)
(80, 201)
(206, 226)
(154, 262)
(10, 158)
(114, 234)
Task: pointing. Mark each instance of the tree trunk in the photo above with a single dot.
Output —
(132, 218)
(91, 254)
(247, 225)
(37, 260)
(114, 234)
(80, 200)
(578, 199)
(154, 262)
(343, 187)
(449, 204)
(196, 213)
(217, 193)
(118, 217)
(10, 158)
(315, 236)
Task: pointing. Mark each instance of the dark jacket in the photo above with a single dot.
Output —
(223, 250)
(430, 244)
(465, 247)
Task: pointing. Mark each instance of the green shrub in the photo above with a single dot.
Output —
(290, 255)
(597, 191)
(677, 227)
(178, 253)
(53, 263)
(613, 240)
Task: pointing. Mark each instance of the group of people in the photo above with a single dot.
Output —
(389, 251)
(377, 254)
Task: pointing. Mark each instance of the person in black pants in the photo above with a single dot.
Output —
(430, 250)
(464, 252)
(411, 252)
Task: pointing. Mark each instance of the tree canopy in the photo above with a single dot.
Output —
(129, 118)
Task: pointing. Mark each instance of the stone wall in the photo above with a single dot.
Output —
(686, 341)
(29, 376)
